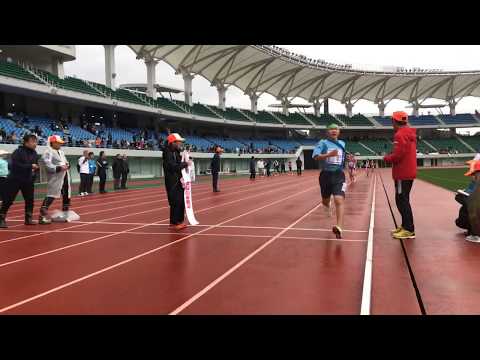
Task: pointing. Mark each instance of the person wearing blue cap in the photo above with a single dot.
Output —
(331, 154)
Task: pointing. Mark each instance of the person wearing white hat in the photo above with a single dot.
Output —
(58, 179)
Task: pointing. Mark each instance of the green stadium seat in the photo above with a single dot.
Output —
(16, 71)
(293, 119)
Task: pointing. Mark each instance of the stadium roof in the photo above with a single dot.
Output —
(258, 69)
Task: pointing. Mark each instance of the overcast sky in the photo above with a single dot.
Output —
(89, 65)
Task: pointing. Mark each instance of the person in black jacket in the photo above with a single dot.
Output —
(102, 167)
(215, 167)
(23, 171)
(299, 167)
(117, 167)
(252, 168)
(268, 165)
(125, 171)
(172, 168)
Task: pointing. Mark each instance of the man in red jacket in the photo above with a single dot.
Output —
(404, 171)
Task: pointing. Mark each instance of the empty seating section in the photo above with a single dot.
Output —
(423, 148)
(227, 144)
(355, 148)
(473, 141)
(379, 146)
(384, 120)
(230, 114)
(16, 71)
(355, 120)
(79, 85)
(308, 142)
(293, 119)
(199, 142)
(103, 89)
(449, 145)
(323, 119)
(265, 117)
(422, 120)
(459, 119)
(125, 95)
(287, 145)
(167, 105)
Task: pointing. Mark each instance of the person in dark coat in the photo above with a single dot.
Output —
(299, 167)
(125, 171)
(172, 168)
(268, 165)
(117, 167)
(23, 171)
(215, 166)
(102, 167)
(252, 168)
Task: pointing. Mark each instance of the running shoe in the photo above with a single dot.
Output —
(337, 231)
(473, 238)
(398, 229)
(404, 234)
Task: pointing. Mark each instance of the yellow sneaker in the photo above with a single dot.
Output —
(398, 229)
(404, 234)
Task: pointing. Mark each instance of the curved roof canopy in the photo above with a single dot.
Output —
(258, 69)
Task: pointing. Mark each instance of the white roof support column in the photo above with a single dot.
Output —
(316, 107)
(254, 103)
(188, 92)
(416, 109)
(349, 108)
(57, 68)
(110, 66)
(285, 104)
(151, 66)
(222, 90)
(381, 109)
(451, 105)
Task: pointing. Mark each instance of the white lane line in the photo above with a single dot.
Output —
(238, 265)
(144, 254)
(367, 278)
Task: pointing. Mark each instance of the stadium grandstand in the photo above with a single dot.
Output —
(36, 96)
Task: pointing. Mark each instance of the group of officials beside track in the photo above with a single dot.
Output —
(20, 174)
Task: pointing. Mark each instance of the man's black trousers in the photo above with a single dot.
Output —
(83, 183)
(12, 187)
(103, 179)
(402, 199)
(124, 180)
(215, 180)
(177, 203)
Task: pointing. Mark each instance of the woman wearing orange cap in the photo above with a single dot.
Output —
(404, 171)
(57, 177)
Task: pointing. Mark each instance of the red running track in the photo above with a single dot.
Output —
(262, 248)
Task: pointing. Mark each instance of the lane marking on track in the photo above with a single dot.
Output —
(239, 264)
(70, 283)
(365, 306)
(290, 183)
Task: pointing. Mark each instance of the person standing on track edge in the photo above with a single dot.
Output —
(172, 168)
(125, 171)
(117, 171)
(404, 171)
(299, 166)
(102, 167)
(252, 168)
(23, 171)
(331, 153)
(58, 178)
(215, 166)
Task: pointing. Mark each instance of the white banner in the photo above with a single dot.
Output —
(187, 185)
